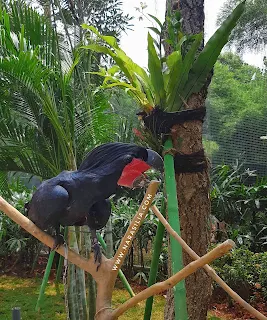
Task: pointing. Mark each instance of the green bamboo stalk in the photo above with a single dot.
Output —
(72, 301)
(154, 264)
(121, 274)
(173, 217)
(45, 279)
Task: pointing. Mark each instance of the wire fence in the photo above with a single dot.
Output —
(247, 143)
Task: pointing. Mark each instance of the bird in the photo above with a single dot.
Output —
(81, 197)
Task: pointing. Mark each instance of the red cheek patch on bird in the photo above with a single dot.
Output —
(132, 171)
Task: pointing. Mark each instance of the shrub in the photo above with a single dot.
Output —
(244, 270)
(242, 206)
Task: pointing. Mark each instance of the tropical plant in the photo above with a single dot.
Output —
(244, 271)
(171, 80)
(241, 205)
(49, 116)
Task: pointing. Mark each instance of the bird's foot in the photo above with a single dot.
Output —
(97, 253)
(59, 240)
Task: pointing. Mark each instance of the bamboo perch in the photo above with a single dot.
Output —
(173, 280)
(210, 271)
(176, 252)
(105, 287)
(134, 226)
(105, 277)
(29, 226)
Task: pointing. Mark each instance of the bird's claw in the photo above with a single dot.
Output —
(59, 240)
(97, 254)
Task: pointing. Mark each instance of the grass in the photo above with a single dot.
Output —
(23, 293)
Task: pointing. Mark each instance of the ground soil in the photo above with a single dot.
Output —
(225, 308)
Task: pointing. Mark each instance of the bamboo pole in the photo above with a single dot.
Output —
(173, 280)
(179, 293)
(60, 262)
(210, 271)
(45, 279)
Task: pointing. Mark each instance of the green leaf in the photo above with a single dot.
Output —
(209, 55)
(155, 69)
(136, 75)
(157, 31)
(108, 39)
(157, 20)
(21, 40)
(172, 77)
(179, 71)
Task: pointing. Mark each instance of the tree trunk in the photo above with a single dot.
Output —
(192, 188)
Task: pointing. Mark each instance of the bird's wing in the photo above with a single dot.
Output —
(47, 205)
(99, 214)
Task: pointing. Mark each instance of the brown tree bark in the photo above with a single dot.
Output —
(192, 188)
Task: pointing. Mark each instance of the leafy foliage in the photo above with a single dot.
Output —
(250, 32)
(106, 15)
(49, 117)
(244, 269)
(240, 205)
(237, 112)
(170, 81)
(13, 239)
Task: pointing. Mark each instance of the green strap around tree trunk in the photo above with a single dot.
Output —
(174, 221)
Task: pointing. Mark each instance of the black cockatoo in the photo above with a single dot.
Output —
(81, 197)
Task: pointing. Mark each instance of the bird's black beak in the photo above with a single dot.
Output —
(155, 160)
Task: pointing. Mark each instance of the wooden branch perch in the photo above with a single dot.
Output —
(172, 281)
(210, 271)
(106, 275)
(134, 226)
(29, 226)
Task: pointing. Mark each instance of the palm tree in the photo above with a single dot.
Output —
(49, 116)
